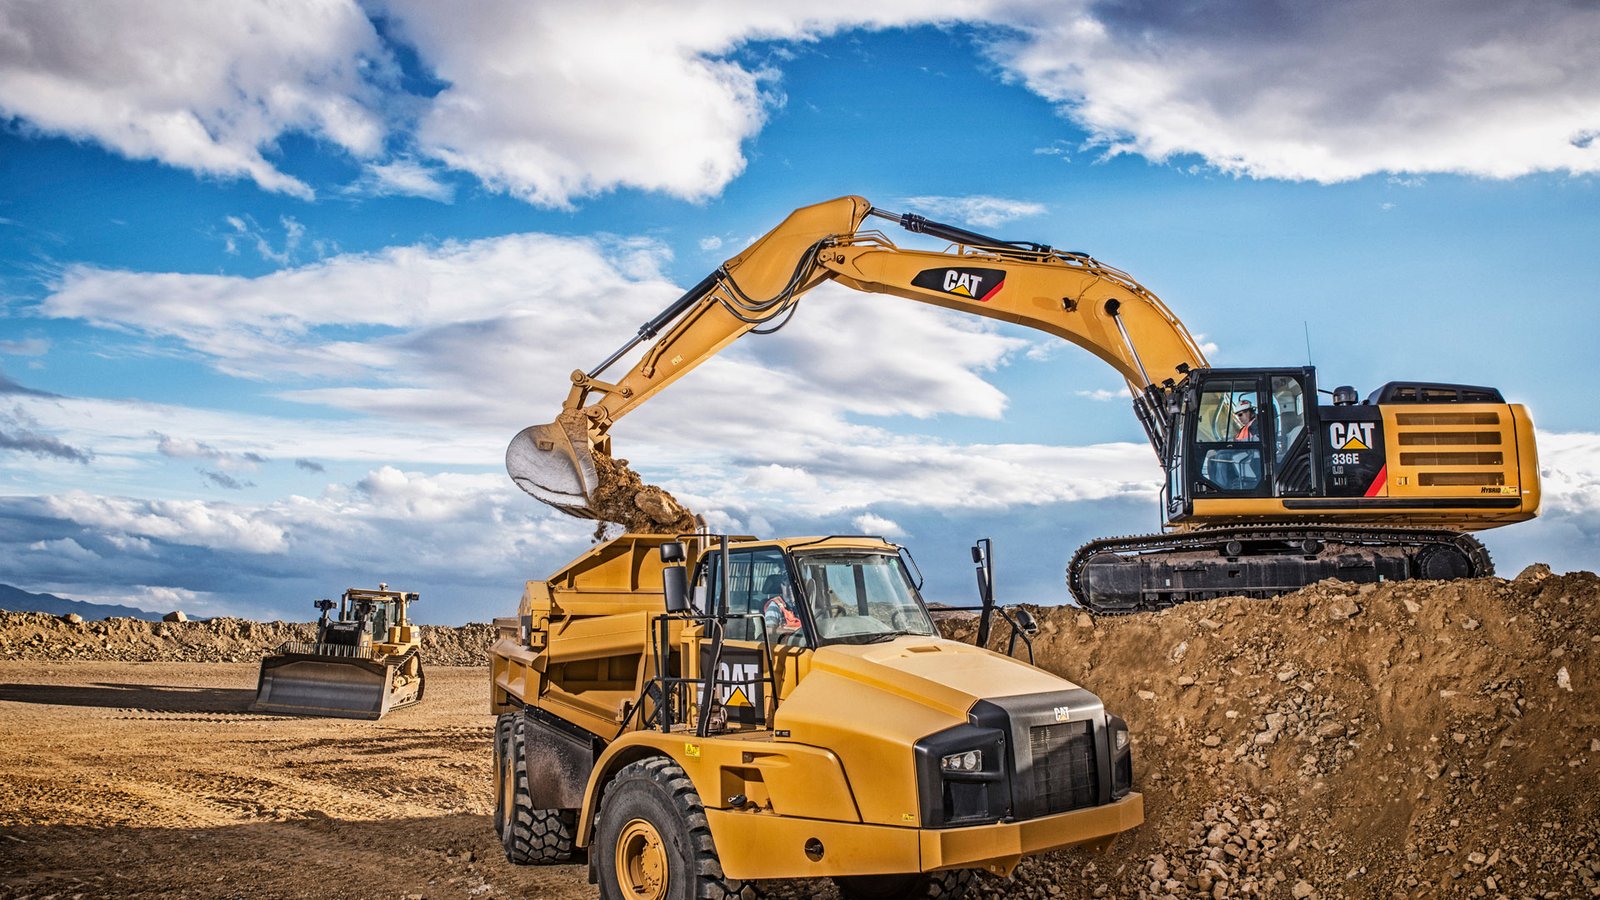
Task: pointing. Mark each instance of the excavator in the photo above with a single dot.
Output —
(1267, 488)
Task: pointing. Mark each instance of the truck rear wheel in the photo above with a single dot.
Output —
(652, 840)
(947, 885)
(529, 835)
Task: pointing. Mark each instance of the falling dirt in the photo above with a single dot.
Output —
(1421, 739)
(622, 497)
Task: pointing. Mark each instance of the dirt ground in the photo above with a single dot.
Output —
(1421, 739)
(152, 779)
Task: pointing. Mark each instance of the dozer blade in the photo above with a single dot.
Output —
(311, 685)
(554, 463)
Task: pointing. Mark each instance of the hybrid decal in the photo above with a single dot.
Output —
(972, 283)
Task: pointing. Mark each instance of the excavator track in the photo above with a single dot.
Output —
(1146, 573)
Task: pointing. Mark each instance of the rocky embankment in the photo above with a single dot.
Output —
(38, 636)
(1404, 740)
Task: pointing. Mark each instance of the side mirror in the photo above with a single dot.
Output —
(672, 552)
(1025, 621)
(675, 588)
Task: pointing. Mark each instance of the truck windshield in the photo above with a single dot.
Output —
(859, 598)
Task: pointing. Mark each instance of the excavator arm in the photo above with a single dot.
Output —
(1070, 295)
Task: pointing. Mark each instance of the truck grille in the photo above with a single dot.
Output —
(1064, 772)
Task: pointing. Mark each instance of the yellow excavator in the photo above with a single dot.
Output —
(1266, 488)
(365, 661)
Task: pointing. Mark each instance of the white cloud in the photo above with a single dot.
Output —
(405, 178)
(212, 525)
(1102, 395)
(980, 211)
(554, 102)
(1322, 92)
(468, 335)
(188, 448)
(869, 523)
(25, 347)
(204, 86)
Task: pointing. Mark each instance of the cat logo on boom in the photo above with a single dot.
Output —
(972, 283)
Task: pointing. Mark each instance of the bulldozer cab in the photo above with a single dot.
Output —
(367, 617)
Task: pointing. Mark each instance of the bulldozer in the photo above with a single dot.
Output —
(697, 712)
(365, 661)
(1270, 480)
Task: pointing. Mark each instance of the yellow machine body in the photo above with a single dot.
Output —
(822, 779)
(365, 662)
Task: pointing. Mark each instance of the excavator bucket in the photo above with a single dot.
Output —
(555, 464)
(305, 680)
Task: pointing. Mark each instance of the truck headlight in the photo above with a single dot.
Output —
(970, 761)
(962, 776)
(1120, 737)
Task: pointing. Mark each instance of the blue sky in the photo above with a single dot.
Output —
(278, 284)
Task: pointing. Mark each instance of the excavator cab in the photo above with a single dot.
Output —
(1242, 435)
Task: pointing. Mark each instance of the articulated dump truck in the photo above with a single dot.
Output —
(697, 713)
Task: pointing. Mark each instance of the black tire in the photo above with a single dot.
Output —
(947, 885)
(530, 835)
(503, 777)
(653, 826)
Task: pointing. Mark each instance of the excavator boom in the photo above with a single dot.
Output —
(1070, 295)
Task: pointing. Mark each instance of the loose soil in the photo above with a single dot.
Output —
(622, 497)
(1416, 739)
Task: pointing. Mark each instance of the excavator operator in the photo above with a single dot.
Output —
(1245, 417)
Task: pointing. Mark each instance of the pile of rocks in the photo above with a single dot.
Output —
(39, 636)
(1421, 738)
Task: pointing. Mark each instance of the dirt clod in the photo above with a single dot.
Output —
(622, 497)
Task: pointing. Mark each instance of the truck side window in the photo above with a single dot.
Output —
(755, 577)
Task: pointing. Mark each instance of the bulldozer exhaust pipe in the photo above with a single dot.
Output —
(555, 464)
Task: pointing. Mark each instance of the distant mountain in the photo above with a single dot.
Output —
(19, 600)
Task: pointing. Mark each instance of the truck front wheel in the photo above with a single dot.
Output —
(947, 885)
(529, 835)
(652, 840)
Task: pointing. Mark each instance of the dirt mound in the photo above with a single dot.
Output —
(1421, 738)
(39, 636)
